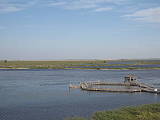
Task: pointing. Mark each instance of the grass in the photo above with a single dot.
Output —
(143, 112)
(83, 64)
(11, 63)
(46, 64)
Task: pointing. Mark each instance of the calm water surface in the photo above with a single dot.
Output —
(44, 94)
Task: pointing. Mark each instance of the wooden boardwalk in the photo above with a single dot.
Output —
(138, 87)
(85, 86)
(130, 84)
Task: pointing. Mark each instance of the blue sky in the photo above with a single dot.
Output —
(79, 29)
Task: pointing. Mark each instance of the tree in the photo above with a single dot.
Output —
(5, 61)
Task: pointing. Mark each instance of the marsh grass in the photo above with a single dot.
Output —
(80, 64)
(143, 112)
(46, 64)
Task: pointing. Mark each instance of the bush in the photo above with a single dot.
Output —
(144, 112)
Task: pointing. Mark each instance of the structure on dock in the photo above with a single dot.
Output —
(130, 84)
(130, 78)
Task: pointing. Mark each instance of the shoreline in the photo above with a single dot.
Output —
(90, 65)
(80, 68)
(140, 112)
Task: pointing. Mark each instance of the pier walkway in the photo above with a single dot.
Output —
(130, 85)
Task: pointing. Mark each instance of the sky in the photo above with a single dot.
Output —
(79, 29)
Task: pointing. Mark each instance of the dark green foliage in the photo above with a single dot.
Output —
(5, 61)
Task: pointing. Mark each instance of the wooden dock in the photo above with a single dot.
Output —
(88, 86)
(134, 84)
(74, 86)
(85, 86)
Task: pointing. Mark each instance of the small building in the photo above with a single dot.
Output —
(130, 78)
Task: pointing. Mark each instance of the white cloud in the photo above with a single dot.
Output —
(74, 5)
(9, 8)
(103, 9)
(57, 3)
(148, 15)
(85, 4)
(14, 6)
(93, 5)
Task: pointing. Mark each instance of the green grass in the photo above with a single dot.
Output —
(143, 112)
(50, 62)
(83, 64)
(46, 64)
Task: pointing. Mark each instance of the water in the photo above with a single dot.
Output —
(44, 94)
(119, 66)
(121, 62)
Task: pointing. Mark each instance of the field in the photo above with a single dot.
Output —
(144, 112)
(45, 64)
(82, 64)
